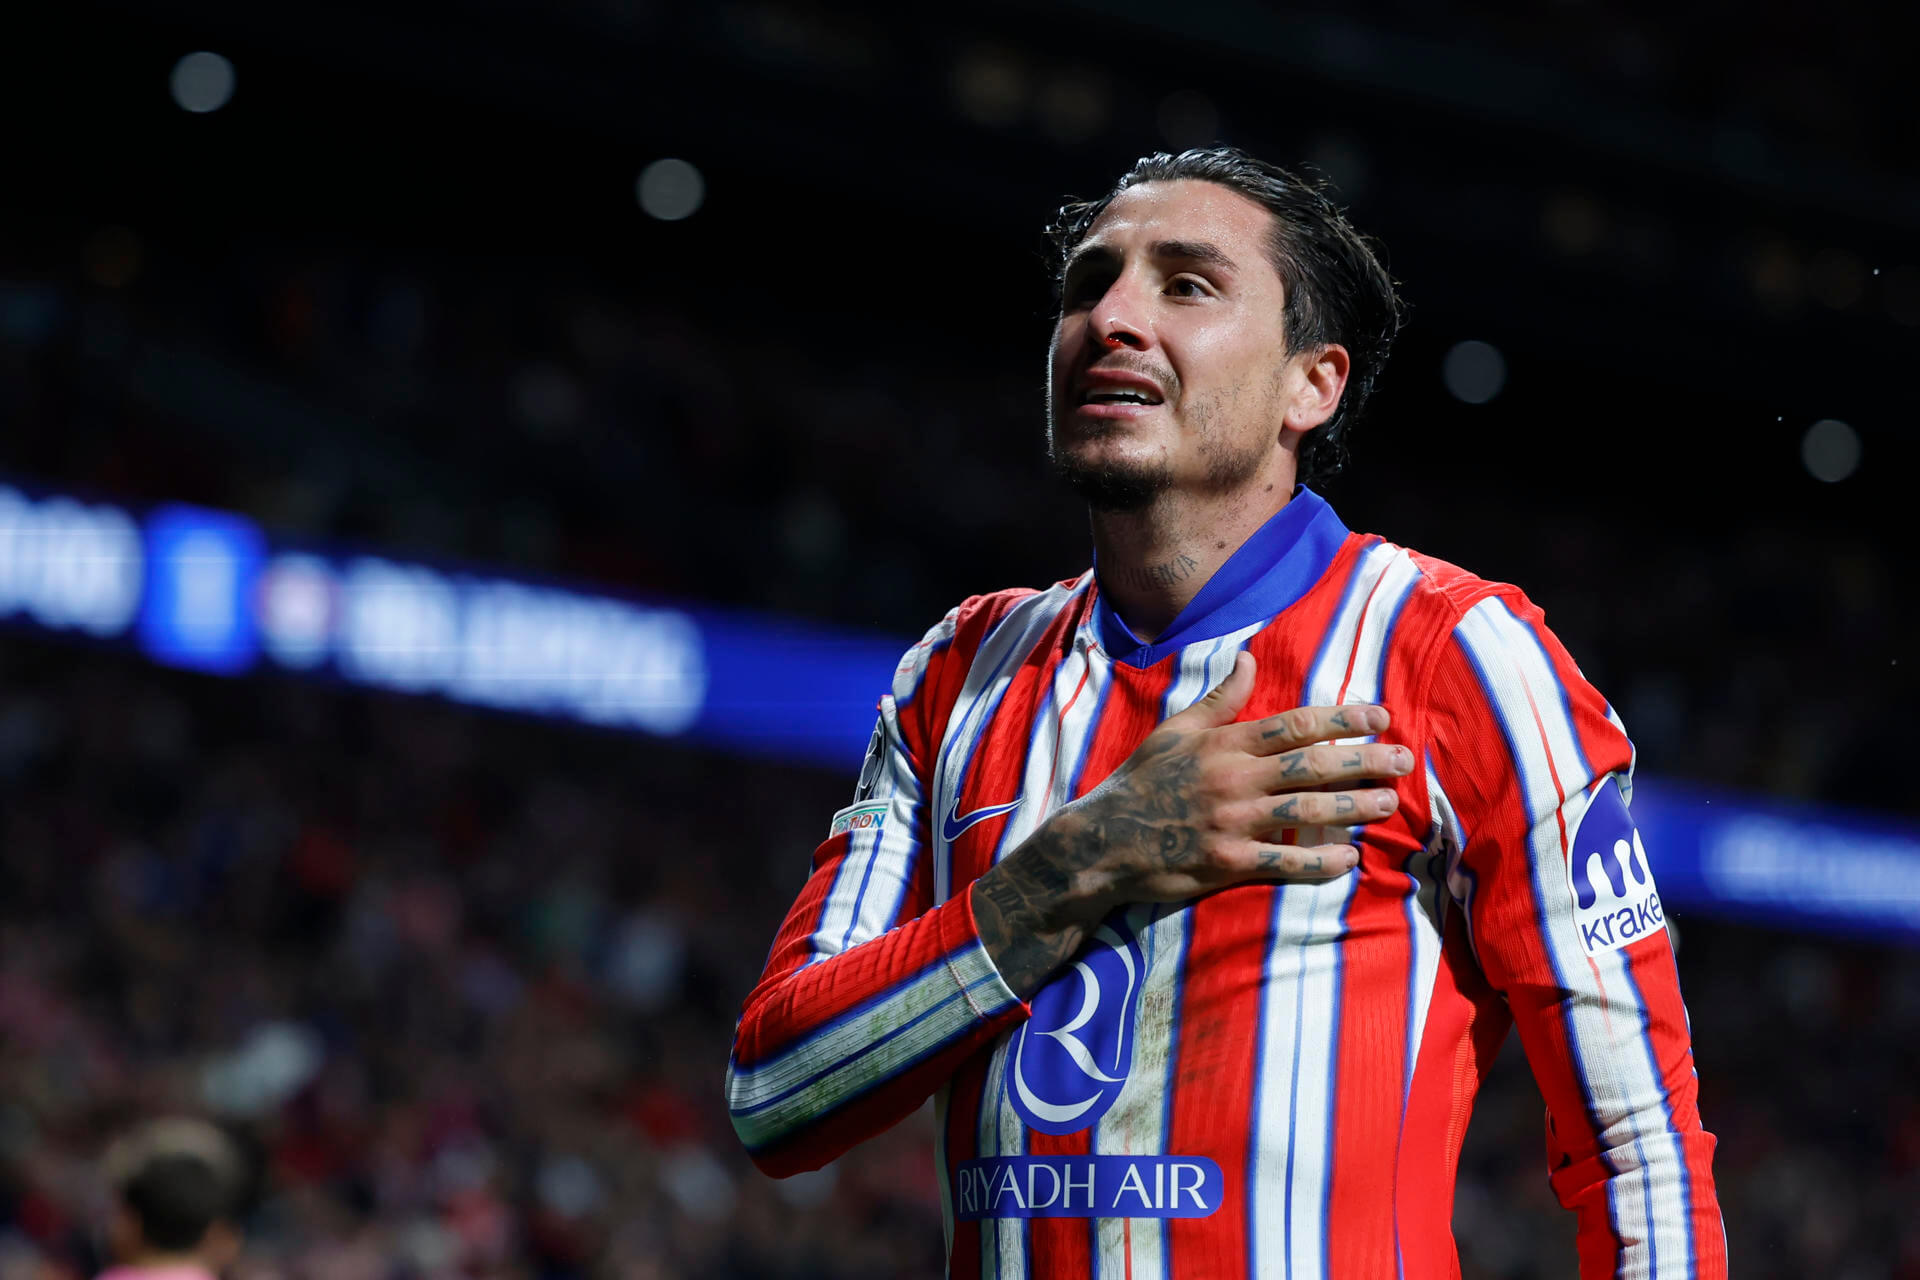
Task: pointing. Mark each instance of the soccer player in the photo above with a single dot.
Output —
(176, 1185)
(1200, 890)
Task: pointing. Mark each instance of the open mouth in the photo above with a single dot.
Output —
(1118, 388)
(1107, 395)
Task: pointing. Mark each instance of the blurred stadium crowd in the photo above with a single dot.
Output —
(466, 984)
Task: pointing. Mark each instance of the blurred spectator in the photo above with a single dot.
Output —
(176, 1187)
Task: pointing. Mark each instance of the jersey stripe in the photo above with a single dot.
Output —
(1140, 1118)
(1126, 713)
(1292, 1166)
(1003, 1242)
(991, 671)
(1222, 1050)
(1452, 842)
(923, 1015)
(915, 665)
(880, 863)
(1378, 998)
(991, 775)
(1524, 692)
(1669, 1237)
(1672, 1245)
(1056, 739)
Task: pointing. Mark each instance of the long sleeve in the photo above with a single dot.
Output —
(1533, 773)
(873, 994)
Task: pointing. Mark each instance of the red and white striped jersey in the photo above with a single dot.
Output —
(1272, 1080)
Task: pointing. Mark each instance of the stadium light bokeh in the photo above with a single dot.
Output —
(1831, 450)
(202, 82)
(1474, 371)
(670, 190)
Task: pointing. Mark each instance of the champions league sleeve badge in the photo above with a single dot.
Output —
(1614, 898)
(870, 767)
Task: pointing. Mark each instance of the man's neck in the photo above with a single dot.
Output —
(1153, 562)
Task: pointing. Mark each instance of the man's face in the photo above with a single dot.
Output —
(1168, 358)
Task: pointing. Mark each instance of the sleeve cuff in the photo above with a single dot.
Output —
(969, 964)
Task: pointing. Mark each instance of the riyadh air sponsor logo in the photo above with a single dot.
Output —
(1071, 1058)
(954, 822)
(1087, 1187)
(1614, 898)
(858, 817)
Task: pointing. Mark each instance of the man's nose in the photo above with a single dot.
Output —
(1118, 320)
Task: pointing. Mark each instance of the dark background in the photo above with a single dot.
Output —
(398, 290)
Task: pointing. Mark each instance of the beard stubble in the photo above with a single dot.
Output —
(1127, 485)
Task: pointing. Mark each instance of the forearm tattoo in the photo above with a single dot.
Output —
(1032, 921)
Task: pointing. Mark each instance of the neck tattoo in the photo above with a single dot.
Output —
(1165, 574)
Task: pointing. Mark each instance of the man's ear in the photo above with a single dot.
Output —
(1317, 386)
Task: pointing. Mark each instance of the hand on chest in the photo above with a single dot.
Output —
(1049, 738)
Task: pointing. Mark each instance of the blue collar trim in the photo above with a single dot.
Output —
(1273, 568)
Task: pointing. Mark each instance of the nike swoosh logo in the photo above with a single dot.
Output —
(953, 824)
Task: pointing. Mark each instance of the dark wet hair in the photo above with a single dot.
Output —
(178, 1177)
(1337, 290)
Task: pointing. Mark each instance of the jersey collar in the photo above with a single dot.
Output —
(1273, 568)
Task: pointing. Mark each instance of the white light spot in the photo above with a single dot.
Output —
(1831, 450)
(670, 190)
(202, 82)
(1474, 371)
(296, 608)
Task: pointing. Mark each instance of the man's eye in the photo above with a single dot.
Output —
(1187, 287)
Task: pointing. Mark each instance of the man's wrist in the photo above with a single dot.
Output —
(1036, 906)
(1024, 945)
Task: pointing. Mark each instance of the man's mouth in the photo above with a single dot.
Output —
(1115, 387)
